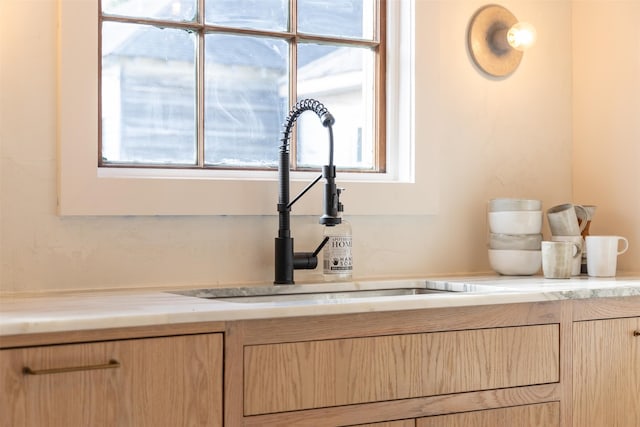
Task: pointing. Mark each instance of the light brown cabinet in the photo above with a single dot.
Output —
(543, 364)
(538, 415)
(167, 381)
(606, 373)
(316, 374)
(393, 368)
(399, 423)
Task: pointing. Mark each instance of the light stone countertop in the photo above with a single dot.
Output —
(111, 309)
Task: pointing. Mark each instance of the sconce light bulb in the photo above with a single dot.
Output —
(521, 36)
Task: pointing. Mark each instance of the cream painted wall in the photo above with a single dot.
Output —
(606, 118)
(508, 137)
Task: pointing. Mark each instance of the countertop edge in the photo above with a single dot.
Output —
(104, 310)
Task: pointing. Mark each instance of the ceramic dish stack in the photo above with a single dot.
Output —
(515, 236)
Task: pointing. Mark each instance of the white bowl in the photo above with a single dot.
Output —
(515, 262)
(526, 242)
(504, 204)
(515, 222)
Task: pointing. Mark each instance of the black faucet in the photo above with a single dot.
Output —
(286, 260)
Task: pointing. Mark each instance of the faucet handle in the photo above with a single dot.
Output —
(339, 191)
(320, 246)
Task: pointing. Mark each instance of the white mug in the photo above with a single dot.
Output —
(558, 259)
(563, 219)
(579, 241)
(602, 254)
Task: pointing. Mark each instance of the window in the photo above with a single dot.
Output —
(408, 186)
(207, 83)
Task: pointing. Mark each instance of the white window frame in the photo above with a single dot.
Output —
(408, 186)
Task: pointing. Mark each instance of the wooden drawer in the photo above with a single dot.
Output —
(317, 374)
(538, 415)
(400, 423)
(168, 381)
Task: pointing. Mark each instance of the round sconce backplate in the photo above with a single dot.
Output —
(489, 57)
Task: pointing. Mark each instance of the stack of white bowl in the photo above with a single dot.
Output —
(515, 236)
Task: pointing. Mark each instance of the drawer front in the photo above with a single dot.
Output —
(400, 423)
(538, 415)
(144, 382)
(316, 374)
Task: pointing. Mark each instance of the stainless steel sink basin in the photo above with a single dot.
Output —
(331, 296)
(317, 293)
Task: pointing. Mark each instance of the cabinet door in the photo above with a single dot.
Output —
(399, 423)
(606, 373)
(315, 374)
(538, 415)
(172, 381)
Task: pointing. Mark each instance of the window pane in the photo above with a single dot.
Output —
(255, 14)
(148, 95)
(343, 18)
(246, 93)
(171, 10)
(342, 78)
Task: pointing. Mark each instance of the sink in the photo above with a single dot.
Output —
(308, 293)
(331, 296)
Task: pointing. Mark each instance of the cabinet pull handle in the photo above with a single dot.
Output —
(636, 333)
(111, 365)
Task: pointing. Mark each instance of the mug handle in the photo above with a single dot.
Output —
(626, 245)
(583, 215)
(577, 251)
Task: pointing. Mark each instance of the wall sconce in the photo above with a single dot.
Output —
(496, 40)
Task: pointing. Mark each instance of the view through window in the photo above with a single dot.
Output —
(208, 83)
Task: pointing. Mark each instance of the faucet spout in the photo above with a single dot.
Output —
(286, 260)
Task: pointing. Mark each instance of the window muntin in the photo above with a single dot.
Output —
(238, 75)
